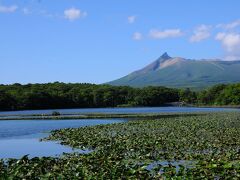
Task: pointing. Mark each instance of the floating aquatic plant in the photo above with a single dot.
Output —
(206, 146)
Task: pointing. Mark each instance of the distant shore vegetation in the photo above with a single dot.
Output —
(61, 95)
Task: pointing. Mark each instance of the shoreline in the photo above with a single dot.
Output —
(109, 116)
(173, 104)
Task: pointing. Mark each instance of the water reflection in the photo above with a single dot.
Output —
(21, 137)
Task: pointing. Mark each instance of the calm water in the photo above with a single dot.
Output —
(21, 137)
(119, 110)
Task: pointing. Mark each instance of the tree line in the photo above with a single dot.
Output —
(218, 95)
(60, 95)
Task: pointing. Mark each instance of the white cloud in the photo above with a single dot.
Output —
(131, 19)
(168, 33)
(231, 25)
(8, 9)
(137, 36)
(231, 44)
(232, 58)
(200, 33)
(73, 14)
(229, 40)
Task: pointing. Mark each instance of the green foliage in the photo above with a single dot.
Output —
(183, 147)
(220, 95)
(188, 96)
(7, 102)
(60, 95)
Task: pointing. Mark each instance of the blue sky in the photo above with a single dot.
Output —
(100, 40)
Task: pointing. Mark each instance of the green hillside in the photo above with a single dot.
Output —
(183, 73)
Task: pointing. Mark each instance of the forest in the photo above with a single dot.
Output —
(61, 95)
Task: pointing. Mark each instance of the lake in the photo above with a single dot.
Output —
(21, 137)
(117, 110)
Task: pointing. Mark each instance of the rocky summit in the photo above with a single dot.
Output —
(179, 72)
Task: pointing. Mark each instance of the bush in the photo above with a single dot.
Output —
(56, 113)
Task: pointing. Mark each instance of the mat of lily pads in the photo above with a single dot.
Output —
(185, 147)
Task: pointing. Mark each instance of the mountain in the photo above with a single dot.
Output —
(178, 72)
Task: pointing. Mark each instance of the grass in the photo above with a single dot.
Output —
(177, 147)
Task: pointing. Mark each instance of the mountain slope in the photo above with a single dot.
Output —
(183, 73)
